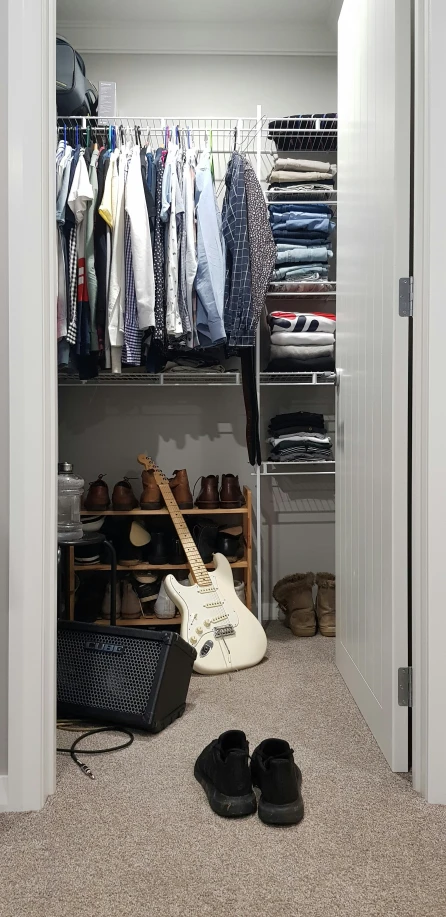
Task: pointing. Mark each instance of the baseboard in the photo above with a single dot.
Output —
(3, 792)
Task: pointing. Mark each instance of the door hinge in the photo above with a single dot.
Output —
(405, 687)
(405, 308)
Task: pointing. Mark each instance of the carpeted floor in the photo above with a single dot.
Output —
(141, 840)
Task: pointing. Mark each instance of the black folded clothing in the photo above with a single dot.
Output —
(305, 132)
(297, 365)
(305, 419)
(290, 431)
(307, 454)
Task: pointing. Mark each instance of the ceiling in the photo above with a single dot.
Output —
(313, 13)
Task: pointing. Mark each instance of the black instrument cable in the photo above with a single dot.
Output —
(71, 727)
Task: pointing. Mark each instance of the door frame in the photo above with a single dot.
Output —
(28, 46)
(33, 406)
(429, 434)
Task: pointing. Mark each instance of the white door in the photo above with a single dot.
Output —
(372, 355)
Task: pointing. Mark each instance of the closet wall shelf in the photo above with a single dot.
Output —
(269, 295)
(293, 468)
(164, 512)
(326, 378)
(238, 564)
(107, 379)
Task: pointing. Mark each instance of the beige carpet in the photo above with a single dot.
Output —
(141, 839)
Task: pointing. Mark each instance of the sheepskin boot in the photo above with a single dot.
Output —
(294, 596)
(326, 604)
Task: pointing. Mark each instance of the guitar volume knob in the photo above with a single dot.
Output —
(207, 623)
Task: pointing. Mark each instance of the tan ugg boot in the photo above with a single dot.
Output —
(326, 604)
(294, 596)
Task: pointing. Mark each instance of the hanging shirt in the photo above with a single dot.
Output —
(174, 325)
(80, 194)
(116, 291)
(92, 282)
(191, 244)
(238, 293)
(210, 279)
(136, 208)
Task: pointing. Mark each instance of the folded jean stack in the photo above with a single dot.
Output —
(301, 230)
(299, 437)
(301, 342)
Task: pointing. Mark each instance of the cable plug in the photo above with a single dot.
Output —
(85, 770)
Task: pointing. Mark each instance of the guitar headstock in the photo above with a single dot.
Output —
(150, 465)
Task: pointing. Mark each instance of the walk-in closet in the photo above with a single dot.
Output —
(276, 406)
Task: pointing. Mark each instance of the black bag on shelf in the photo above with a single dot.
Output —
(299, 136)
(75, 95)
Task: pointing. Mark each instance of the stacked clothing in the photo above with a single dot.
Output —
(291, 179)
(299, 437)
(301, 342)
(299, 133)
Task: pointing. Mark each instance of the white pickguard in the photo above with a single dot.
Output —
(207, 614)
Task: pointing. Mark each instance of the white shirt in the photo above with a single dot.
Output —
(174, 325)
(135, 205)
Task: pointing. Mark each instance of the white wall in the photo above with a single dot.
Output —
(200, 429)
(220, 85)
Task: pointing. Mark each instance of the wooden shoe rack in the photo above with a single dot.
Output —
(244, 565)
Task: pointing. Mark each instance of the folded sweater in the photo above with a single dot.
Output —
(304, 165)
(283, 351)
(278, 176)
(302, 338)
(297, 322)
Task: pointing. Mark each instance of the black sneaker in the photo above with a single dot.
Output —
(146, 592)
(279, 779)
(223, 771)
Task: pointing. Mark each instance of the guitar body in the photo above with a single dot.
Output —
(215, 622)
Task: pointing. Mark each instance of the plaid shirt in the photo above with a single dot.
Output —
(238, 311)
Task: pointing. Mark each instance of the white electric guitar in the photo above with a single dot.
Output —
(225, 634)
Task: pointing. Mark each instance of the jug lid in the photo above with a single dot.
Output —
(65, 468)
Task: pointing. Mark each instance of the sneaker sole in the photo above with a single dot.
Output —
(289, 814)
(226, 806)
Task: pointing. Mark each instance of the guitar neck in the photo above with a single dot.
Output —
(199, 572)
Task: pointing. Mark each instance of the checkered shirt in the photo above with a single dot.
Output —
(238, 308)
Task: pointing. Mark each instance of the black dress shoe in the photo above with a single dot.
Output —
(279, 780)
(205, 533)
(177, 556)
(223, 771)
(230, 542)
(158, 549)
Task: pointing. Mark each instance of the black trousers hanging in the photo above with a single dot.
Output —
(248, 359)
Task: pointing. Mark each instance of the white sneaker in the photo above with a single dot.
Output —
(164, 607)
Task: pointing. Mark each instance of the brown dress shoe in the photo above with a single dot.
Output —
(179, 486)
(98, 497)
(326, 604)
(151, 496)
(208, 496)
(123, 498)
(231, 496)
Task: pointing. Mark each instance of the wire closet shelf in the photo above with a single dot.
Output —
(247, 134)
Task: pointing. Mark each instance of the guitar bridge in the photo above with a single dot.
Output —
(226, 630)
